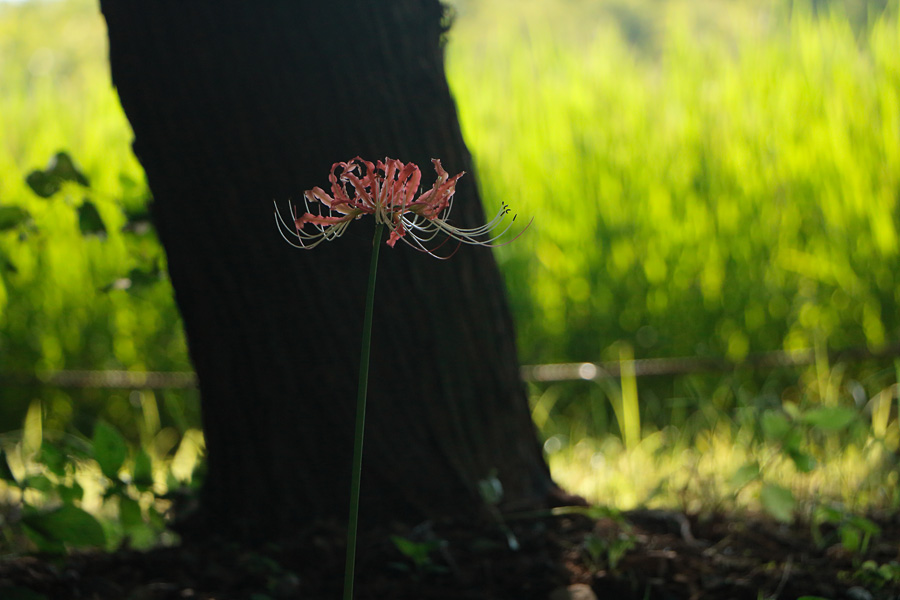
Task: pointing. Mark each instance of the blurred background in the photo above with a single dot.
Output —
(711, 181)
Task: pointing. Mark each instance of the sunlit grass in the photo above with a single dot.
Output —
(699, 477)
(698, 465)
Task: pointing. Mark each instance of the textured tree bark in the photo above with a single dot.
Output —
(236, 104)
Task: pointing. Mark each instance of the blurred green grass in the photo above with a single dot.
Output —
(707, 179)
(734, 191)
(55, 94)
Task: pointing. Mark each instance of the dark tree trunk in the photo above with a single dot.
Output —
(235, 105)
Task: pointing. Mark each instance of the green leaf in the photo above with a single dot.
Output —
(61, 168)
(45, 544)
(89, 220)
(775, 425)
(792, 440)
(39, 483)
(850, 538)
(595, 546)
(890, 572)
(417, 552)
(69, 494)
(830, 418)
(110, 449)
(804, 462)
(865, 525)
(157, 520)
(42, 183)
(12, 216)
(142, 537)
(778, 502)
(53, 458)
(130, 513)
(143, 471)
(828, 514)
(745, 474)
(67, 524)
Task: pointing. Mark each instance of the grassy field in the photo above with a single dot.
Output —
(699, 188)
(708, 179)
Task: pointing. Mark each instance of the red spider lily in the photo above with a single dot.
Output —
(386, 190)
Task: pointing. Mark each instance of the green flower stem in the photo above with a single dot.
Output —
(356, 471)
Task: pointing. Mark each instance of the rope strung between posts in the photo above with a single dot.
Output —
(648, 367)
(546, 373)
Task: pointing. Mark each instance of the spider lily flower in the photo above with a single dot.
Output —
(388, 191)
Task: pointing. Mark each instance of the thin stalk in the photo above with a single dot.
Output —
(356, 471)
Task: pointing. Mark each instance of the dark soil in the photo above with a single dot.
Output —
(644, 555)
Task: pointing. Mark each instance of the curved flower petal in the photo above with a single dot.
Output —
(387, 190)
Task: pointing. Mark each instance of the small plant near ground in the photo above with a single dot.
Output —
(789, 432)
(600, 551)
(491, 491)
(877, 577)
(420, 556)
(853, 532)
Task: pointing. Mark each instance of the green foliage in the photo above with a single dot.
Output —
(607, 550)
(89, 220)
(74, 492)
(876, 576)
(82, 286)
(47, 182)
(82, 276)
(12, 217)
(110, 449)
(419, 554)
(793, 435)
(778, 502)
(830, 418)
(52, 530)
(853, 532)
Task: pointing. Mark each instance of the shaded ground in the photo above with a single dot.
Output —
(645, 555)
